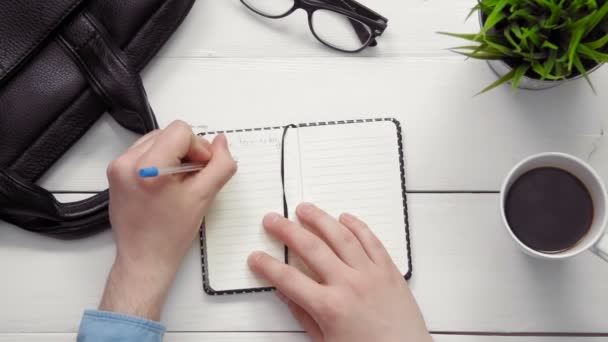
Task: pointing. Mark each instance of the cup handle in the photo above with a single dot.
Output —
(601, 247)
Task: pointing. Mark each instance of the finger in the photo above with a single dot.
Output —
(287, 279)
(340, 239)
(206, 143)
(303, 317)
(370, 242)
(220, 168)
(199, 151)
(315, 253)
(170, 147)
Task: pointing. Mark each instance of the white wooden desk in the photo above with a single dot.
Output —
(227, 68)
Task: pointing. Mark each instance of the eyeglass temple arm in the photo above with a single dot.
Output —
(363, 10)
(360, 29)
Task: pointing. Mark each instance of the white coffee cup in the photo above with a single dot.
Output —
(596, 240)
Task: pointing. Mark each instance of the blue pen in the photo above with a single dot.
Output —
(149, 172)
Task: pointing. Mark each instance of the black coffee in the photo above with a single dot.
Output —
(549, 209)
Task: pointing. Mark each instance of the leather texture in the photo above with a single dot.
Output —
(62, 65)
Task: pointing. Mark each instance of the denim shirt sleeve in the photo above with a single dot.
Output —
(102, 326)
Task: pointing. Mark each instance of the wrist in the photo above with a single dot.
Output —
(136, 290)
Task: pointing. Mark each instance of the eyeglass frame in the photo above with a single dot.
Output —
(356, 11)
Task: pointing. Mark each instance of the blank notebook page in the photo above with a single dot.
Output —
(350, 167)
(233, 226)
(355, 168)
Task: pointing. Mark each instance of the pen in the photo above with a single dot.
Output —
(149, 172)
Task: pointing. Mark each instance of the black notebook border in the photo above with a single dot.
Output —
(210, 291)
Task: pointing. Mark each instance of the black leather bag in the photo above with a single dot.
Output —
(63, 63)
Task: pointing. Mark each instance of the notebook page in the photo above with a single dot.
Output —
(233, 226)
(355, 168)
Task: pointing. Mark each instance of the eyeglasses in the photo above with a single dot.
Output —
(344, 25)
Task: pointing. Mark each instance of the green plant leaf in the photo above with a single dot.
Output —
(561, 69)
(533, 55)
(472, 37)
(550, 64)
(539, 69)
(516, 30)
(531, 3)
(596, 56)
(473, 10)
(522, 14)
(506, 78)
(579, 66)
(573, 47)
(596, 18)
(598, 44)
(520, 71)
(505, 51)
(495, 17)
(549, 45)
(479, 55)
(507, 33)
(556, 12)
(532, 34)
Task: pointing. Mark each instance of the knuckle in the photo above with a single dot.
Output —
(308, 245)
(181, 125)
(331, 308)
(285, 275)
(348, 239)
(374, 241)
(232, 166)
(370, 237)
(118, 167)
(361, 287)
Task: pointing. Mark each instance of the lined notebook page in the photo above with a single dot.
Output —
(233, 226)
(355, 168)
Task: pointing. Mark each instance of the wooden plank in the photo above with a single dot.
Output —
(289, 337)
(468, 277)
(178, 337)
(453, 141)
(220, 29)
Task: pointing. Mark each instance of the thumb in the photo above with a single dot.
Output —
(220, 168)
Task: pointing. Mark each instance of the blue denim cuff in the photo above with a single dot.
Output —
(100, 326)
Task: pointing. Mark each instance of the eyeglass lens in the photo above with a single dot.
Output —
(340, 31)
(332, 28)
(271, 8)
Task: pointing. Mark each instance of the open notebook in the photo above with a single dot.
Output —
(351, 166)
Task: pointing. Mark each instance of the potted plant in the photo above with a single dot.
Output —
(538, 44)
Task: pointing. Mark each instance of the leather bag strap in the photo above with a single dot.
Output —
(108, 73)
(121, 88)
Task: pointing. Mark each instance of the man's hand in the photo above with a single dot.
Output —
(361, 297)
(155, 220)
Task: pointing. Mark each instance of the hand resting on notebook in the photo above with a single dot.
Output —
(361, 295)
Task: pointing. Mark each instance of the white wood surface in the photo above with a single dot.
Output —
(226, 68)
(286, 337)
(468, 277)
(452, 140)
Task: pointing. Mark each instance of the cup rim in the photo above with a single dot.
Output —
(572, 251)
